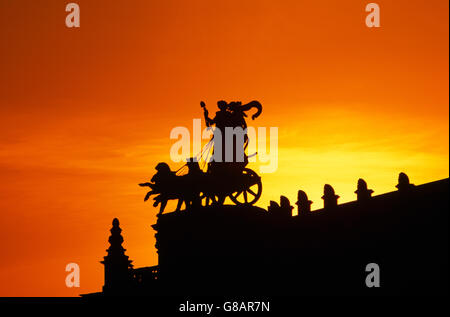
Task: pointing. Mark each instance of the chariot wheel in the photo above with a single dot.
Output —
(250, 189)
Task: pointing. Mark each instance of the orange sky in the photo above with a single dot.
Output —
(85, 114)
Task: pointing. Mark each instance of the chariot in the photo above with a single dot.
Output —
(219, 180)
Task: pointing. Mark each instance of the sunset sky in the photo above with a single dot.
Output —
(86, 113)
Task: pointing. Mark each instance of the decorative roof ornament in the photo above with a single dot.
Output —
(362, 193)
(329, 197)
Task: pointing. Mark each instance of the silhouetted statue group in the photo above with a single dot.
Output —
(223, 177)
(230, 178)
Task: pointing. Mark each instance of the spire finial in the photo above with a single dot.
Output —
(117, 264)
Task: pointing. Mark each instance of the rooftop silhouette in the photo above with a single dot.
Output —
(214, 249)
(248, 250)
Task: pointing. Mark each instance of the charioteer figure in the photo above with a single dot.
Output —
(231, 115)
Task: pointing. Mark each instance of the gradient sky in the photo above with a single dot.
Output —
(85, 114)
